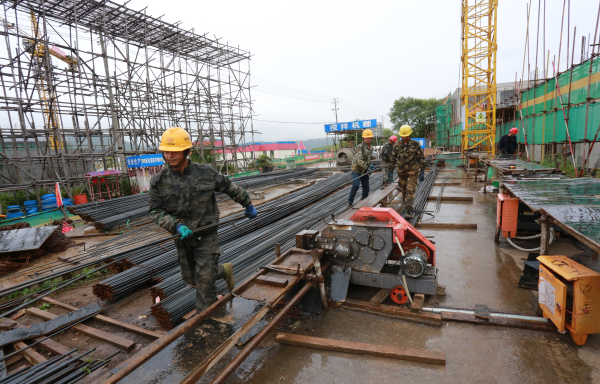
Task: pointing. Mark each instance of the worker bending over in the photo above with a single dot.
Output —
(508, 143)
(361, 167)
(182, 198)
(410, 164)
(387, 167)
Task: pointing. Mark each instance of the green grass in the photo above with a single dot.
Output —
(565, 165)
(45, 306)
(53, 283)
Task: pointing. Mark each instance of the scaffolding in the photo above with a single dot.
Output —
(479, 46)
(87, 83)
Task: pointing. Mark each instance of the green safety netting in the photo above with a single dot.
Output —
(543, 121)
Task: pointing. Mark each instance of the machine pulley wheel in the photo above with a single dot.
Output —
(398, 295)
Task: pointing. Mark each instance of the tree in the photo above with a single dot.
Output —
(387, 133)
(418, 113)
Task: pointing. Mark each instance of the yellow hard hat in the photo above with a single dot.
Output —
(175, 139)
(405, 130)
(367, 133)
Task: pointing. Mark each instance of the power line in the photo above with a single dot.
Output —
(292, 122)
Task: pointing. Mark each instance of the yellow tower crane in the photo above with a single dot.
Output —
(41, 53)
(479, 46)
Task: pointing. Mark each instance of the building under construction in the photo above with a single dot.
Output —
(86, 84)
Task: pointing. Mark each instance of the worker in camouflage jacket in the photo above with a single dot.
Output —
(410, 164)
(361, 167)
(387, 167)
(182, 199)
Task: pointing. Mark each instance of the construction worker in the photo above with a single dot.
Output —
(410, 164)
(508, 143)
(182, 198)
(387, 167)
(361, 167)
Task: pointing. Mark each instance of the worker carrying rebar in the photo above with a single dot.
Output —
(387, 167)
(508, 143)
(410, 164)
(361, 167)
(182, 198)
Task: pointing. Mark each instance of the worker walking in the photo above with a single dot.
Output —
(508, 143)
(361, 167)
(182, 198)
(410, 164)
(387, 167)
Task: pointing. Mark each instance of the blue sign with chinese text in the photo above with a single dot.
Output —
(421, 142)
(144, 161)
(362, 124)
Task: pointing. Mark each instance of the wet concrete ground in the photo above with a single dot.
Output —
(474, 270)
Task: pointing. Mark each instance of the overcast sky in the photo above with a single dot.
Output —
(367, 53)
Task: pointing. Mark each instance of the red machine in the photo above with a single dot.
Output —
(380, 248)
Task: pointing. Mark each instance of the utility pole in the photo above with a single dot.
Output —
(336, 109)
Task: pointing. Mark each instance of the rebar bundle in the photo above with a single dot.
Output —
(101, 209)
(135, 277)
(249, 253)
(421, 195)
(63, 369)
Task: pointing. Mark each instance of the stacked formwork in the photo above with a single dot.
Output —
(85, 84)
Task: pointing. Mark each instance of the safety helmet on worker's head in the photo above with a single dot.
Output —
(514, 130)
(175, 139)
(393, 139)
(367, 133)
(405, 130)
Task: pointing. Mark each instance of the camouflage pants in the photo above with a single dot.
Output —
(388, 172)
(407, 184)
(199, 262)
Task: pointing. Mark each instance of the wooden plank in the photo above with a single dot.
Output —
(287, 269)
(498, 321)
(272, 280)
(189, 315)
(217, 354)
(417, 303)
(452, 198)
(446, 225)
(90, 331)
(7, 323)
(482, 311)
(425, 318)
(19, 314)
(410, 354)
(447, 185)
(12, 360)
(52, 346)
(32, 356)
(379, 297)
(108, 320)
(56, 323)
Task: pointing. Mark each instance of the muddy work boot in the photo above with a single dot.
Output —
(228, 270)
(349, 205)
(409, 213)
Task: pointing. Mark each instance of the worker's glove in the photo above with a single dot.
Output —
(251, 212)
(371, 168)
(184, 231)
(421, 175)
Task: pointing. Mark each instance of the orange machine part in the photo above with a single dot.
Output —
(507, 214)
(398, 295)
(400, 226)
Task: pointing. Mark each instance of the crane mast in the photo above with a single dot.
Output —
(479, 46)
